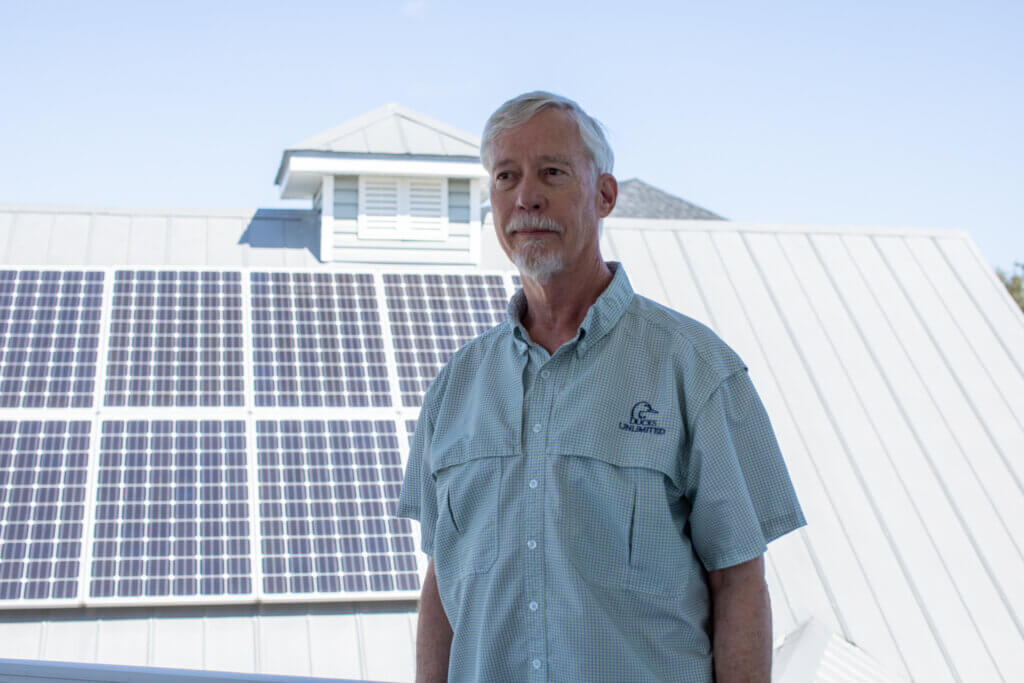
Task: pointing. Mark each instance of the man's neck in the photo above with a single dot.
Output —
(556, 307)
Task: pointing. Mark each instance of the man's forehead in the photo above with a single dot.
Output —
(550, 135)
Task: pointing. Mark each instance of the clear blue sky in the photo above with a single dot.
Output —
(905, 114)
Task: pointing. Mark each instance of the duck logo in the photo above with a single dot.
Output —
(641, 420)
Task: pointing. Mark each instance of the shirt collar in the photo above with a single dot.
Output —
(600, 319)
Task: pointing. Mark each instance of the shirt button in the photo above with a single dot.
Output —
(536, 428)
(533, 606)
(536, 664)
(531, 544)
(533, 483)
(545, 373)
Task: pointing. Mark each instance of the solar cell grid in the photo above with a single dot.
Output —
(43, 468)
(175, 340)
(317, 341)
(431, 316)
(172, 512)
(328, 492)
(49, 336)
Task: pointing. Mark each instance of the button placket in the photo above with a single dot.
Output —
(534, 438)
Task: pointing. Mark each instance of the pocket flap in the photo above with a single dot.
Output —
(656, 457)
(463, 450)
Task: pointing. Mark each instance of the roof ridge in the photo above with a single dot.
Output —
(391, 109)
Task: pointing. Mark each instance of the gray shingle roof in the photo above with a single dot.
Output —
(637, 199)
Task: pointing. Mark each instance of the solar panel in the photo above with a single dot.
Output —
(43, 466)
(49, 326)
(175, 339)
(172, 511)
(433, 315)
(328, 492)
(317, 341)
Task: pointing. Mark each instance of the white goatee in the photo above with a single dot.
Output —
(533, 258)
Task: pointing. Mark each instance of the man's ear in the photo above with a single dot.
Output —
(607, 194)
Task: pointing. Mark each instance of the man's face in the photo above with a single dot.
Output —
(544, 195)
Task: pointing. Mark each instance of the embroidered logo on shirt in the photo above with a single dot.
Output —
(640, 420)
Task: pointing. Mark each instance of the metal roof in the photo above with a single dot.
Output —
(393, 129)
(637, 199)
(891, 363)
(372, 641)
(813, 654)
(41, 235)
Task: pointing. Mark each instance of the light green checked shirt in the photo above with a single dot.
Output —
(573, 503)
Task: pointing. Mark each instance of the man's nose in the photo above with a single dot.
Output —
(530, 196)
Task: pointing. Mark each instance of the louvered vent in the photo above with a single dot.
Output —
(426, 204)
(379, 206)
(403, 208)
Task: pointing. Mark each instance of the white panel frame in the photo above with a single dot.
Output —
(165, 414)
(45, 415)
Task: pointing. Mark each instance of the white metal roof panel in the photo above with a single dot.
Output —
(813, 654)
(334, 645)
(77, 236)
(281, 637)
(122, 641)
(388, 645)
(147, 243)
(108, 239)
(188, 243)
(229, 643)
(6, 226)
(988, 293)
(178, 642)
(68, 640)
(222, 238)
(330, 641)
(69, 238)
(29, 238)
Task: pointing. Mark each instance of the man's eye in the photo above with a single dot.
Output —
(554, 171)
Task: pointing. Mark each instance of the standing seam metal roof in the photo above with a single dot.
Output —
(891, 363)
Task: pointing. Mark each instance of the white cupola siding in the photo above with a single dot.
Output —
(391, 186)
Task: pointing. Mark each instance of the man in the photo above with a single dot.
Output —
(595, 478)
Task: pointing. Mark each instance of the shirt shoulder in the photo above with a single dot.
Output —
(464, 363)
(687, 339)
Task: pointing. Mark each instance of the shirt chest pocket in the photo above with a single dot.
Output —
(468, 486)
(618, 524)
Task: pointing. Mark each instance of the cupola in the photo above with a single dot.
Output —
(391, 186)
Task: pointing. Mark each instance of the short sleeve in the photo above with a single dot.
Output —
(741, 497)
(418, 499)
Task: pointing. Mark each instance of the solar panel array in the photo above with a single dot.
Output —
(219, 435)
(432, 316)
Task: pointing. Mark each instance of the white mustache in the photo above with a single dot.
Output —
(532, 222)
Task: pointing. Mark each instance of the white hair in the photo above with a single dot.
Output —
(521, 109)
